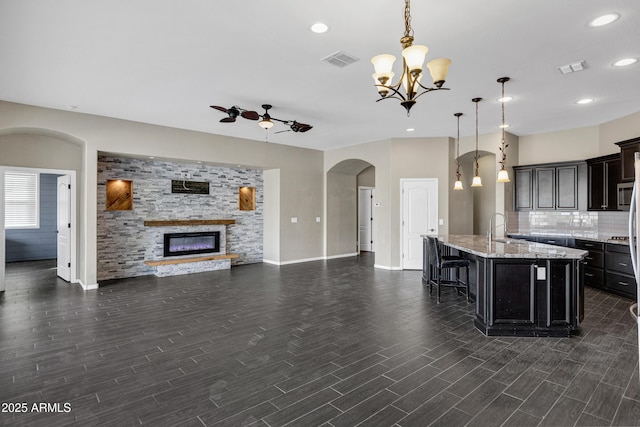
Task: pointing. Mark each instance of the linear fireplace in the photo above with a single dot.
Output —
(176, 244)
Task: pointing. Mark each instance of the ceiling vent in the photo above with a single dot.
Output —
(340, 59)
(572, 68)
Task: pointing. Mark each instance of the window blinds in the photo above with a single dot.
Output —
(21, 200)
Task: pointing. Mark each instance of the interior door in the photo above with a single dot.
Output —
(64, 227)
(365, 218)
(419, 217)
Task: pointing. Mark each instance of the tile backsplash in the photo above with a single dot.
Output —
(573, 223)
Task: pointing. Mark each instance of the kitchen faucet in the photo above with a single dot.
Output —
(504, 224)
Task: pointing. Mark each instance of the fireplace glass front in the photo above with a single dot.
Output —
(176, 244)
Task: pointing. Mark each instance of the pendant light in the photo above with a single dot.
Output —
(458, 183)
(503, 174)
(477, 181)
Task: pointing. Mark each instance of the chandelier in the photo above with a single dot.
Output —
(412, 58)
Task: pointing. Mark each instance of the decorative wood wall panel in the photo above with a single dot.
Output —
(119, 195)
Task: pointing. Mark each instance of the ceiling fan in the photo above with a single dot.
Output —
(294, 126)
(235, 111)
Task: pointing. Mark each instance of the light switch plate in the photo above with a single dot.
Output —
(294, 219)
(317, 219)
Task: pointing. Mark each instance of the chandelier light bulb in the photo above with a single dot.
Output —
(476, 182)
(458, 185)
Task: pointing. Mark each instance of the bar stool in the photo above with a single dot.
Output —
(438, 263)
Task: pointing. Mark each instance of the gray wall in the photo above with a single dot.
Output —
(32, 244)
(342, 214)
(124, 243)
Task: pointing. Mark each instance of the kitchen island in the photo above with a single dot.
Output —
(521, 288)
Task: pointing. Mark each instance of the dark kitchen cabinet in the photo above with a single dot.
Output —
(619, 271)
(558, 186)
(604, 173)
(523, 193)
(593, 262)
(627, 150)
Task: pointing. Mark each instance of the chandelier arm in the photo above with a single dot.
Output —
(396, 93)
(427, 90)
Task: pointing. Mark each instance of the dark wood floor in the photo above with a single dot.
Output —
(334, 343)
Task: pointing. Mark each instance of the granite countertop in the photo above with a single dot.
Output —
(594, 237)
(508, 248)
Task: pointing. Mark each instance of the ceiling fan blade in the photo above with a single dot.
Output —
(228, 120)
(224, 110)
(251, 115)
(300, 127)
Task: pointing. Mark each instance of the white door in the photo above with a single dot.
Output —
(419, 217)
(365, 218)
(64, 227)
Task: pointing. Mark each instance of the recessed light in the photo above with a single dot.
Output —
(624, 62)
(604, 20)
(504, 126)
(151, 157)
(505, 99)
(72, 107)
(319, 28)
(585, 101)
(410, 129)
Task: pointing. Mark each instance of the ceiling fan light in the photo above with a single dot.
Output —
(265, 124)
(458, 185)
(414, 57)
(476, 182)
(503, 176)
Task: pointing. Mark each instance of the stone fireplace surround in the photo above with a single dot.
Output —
(125, 243)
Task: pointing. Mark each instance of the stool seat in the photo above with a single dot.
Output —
(438, 263)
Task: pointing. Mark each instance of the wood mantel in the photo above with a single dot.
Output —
(174, 222)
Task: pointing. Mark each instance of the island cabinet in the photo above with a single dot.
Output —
(556, 186)
(604, 173)
(523, 288)
(528, 297)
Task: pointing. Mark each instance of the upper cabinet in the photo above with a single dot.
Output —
(627, 150)
(523, 189)
(604, 173)
(557, 186)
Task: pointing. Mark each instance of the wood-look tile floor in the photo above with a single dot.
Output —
(335, 343)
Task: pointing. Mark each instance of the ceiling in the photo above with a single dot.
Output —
(165, 61)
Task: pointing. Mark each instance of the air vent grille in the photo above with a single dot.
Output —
(572, 68)
(340, 59)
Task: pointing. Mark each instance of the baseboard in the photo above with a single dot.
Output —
(386, 267)
(342, 256)
(295, 261)
(88, 287)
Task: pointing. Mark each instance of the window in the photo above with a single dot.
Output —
(21, 200)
